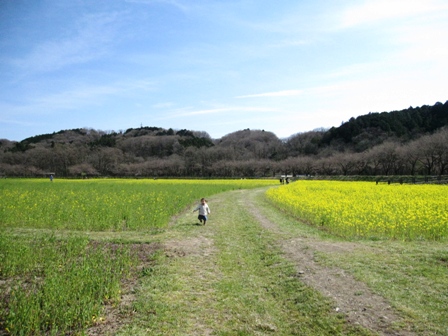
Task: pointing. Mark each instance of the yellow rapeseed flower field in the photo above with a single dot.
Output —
(104, 204)
(367, 210)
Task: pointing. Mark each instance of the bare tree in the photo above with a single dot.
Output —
(429, 153)
(83, 170)
(306, 143)
(346, 162)
(41, 158)
(326, 166)
(410, 155)
(106, 160)
(373, 156)
(387, 157)
(303, 165)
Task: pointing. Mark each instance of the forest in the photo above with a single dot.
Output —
(412, 141)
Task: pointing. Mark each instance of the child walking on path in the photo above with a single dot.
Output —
(204, 210)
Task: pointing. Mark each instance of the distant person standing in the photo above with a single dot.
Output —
(204, 211)
(51, 177)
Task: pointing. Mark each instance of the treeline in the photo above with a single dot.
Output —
(374, 128)
(408, 142)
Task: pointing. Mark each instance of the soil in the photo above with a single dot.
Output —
(115, 317)
(351, 297)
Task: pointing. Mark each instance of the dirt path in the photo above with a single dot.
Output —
(202, 261)
(351, 297)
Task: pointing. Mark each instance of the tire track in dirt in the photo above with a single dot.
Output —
(352, 297)
(202, 250)
(198, 250)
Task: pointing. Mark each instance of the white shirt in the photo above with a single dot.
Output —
(203, 209)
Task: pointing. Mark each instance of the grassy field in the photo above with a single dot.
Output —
(102, 205)
(58, 285)
(122, 257)
(229, 278)
(54, 278)
(411, 275)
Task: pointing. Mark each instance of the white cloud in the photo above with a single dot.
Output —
(202, 112)
(284, 93)
(163, 105)
(89, 40)
(425, 43)
(77, 98)
(373, 11)
(189, 111)
(174, 3)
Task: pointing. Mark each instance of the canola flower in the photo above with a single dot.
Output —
(59, 284)
(367, 210)
(106, 204)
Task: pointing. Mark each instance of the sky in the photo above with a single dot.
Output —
(219, 66)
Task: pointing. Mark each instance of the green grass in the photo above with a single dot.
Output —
(104, 205)
(230, 278)
(413, 276)
(56, 272)
(56, 286)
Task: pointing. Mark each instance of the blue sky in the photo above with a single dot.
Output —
(216, 65)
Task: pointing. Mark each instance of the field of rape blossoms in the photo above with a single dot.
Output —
(107, 204)
(368, 210)
(53, 284)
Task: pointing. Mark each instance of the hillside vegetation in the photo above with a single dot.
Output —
(407, 142)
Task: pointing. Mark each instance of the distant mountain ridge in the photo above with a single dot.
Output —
(404, 124)
(410, 141)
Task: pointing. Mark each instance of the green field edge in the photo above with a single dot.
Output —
(245, 286)
(386, 262)
(412, 275)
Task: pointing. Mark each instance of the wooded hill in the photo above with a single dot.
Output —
(407, 142)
